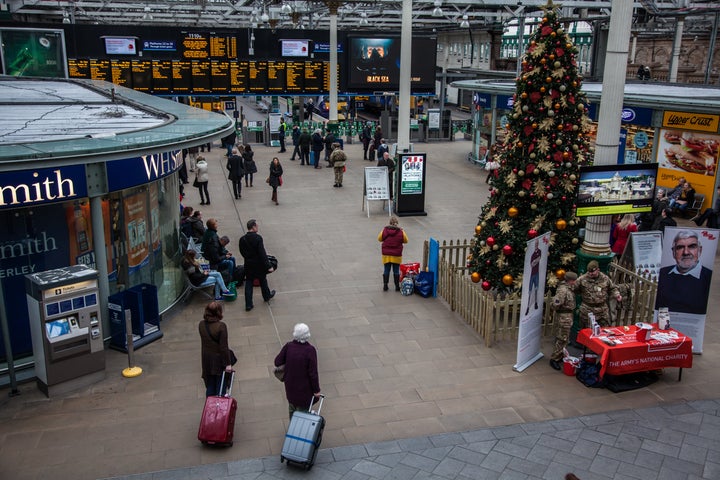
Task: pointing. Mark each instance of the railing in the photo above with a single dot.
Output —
(496, 317)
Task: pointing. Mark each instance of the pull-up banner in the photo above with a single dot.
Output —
(410, 184)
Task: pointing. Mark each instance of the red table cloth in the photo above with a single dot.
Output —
(665, 348)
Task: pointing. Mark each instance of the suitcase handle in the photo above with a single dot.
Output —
(222, 383)
(322, 397)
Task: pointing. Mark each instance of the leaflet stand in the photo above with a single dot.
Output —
(376, 187)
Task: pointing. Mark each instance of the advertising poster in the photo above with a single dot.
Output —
(136, 231)
(684, 279)
(644, 252)
(692, 155)
(533, 300)
(33, 53)
(411, 174)
(376, 183)
(80, 235)
(154, 218)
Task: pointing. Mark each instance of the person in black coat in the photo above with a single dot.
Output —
(329, 140)
(305, 141)
(249, 164)
(296, 142)
(236, 167)
(317, 146)
(229, 142)
(275, 178)
(257, 265)
(685, 286)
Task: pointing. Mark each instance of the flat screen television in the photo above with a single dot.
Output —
(294, 48)
(120, 45)
(616, 189)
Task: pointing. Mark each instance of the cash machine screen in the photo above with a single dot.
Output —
(56, 328)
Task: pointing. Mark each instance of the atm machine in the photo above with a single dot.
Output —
(66, 328)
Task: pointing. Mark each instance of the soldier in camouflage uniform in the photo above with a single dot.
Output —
(595, 288)
(564, 306)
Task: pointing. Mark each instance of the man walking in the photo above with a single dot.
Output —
(296, 142)
(257, 265)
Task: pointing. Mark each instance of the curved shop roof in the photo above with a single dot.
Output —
(61, 122)
(660, 96)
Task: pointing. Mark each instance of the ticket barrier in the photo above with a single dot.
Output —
(66, 328)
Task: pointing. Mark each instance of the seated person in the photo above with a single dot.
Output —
(214, 249)
(197, 228)
(710, 214)
(686, 198)
(201, 277)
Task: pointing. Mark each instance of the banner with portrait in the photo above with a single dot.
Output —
(532, 302)
(684, 279)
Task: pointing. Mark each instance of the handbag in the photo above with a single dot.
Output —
(273, 261)
(279, 372)
(267, 180)
(196, 183)
(280, 181)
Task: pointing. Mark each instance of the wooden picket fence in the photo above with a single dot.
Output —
(496, 316)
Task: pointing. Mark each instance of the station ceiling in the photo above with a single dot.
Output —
(651, 16)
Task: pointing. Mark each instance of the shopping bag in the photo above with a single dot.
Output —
(424, 284)
(409, 269)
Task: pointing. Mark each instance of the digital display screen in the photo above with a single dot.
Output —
(220, 75)
(52, 309)
(374, 64)
(294, 48)
(294, 75)
(161, 76)
(195, 46)
(78, 303)
(616, 189)
(238, 76)
(223, 47)
(276, 75)
(315, 76)
(200, 76)
(65, 306)
(99, 69)
(257, 75)
(120, 45)
(181, 76)
(91, 300)
(78, 68)
(121, 73)
(142, 75)
(56, 328)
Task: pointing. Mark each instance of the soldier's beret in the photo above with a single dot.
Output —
(570, 276)
(592, 265)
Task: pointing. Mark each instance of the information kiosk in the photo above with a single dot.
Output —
(66, 328)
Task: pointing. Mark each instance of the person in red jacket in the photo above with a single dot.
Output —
(301, 371)
(392, 238)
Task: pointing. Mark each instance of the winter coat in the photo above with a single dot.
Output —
(392, 238)
(202, 171)
(301, 372)
(236, 167)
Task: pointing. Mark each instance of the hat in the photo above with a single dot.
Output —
(592, 265)
(570, 276)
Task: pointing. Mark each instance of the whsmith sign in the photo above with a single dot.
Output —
(26, 188)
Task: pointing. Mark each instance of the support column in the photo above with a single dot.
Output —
(101, 260)
(333, 113)
(677, 43)
(403, 138)
(597, 230)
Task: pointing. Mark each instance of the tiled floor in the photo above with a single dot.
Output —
(392, 367)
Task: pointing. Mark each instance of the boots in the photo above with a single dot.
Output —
(396, 277)
(274, 197)
(386, 278)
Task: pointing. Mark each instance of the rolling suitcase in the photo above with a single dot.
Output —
(303, 437)
(217, 425)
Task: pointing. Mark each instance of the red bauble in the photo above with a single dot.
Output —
(485, 285)
(507, 250)
(564, 198)
(532, 233)
(490, 241)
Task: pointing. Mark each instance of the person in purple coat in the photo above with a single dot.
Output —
(301, 374)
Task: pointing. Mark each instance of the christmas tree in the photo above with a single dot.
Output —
(535, 187)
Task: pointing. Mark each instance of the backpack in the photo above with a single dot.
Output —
(407, 285)
(589, 374)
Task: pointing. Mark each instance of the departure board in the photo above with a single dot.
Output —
(78, 68)
(162, 76)
(200, 76)
(223, 47)
(294, 76)
(195, 46)
(276, 75)
(100, 69)
(142, 75)
(220, 76)
(121, 73)
(315, 74)
(238, 76)
(257, 76)
(181, 76)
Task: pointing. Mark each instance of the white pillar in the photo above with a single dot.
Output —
(677, 42)
(597, 231)
(333, 114)
(403, 139)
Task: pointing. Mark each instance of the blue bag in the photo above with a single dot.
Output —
(424, 284)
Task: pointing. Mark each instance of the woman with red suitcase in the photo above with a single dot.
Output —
(216, 356)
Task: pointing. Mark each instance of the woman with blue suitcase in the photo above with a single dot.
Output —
(301, 375)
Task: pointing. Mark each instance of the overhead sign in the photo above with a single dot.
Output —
(703, 122)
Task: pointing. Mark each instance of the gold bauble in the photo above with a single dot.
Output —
(560, 273)
(561, 224)
(507, 279)
(475, 277)
(512, 211)
(478, 229)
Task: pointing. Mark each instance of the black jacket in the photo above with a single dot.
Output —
(236, 167)
(253, 251)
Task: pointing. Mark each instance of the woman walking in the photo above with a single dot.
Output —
(392, 238)
(215, 355)
(299, 359)
(275, 178)
(250, 167)
(622, 232)
(201, 179)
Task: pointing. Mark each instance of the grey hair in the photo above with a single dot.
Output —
(301, 333)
